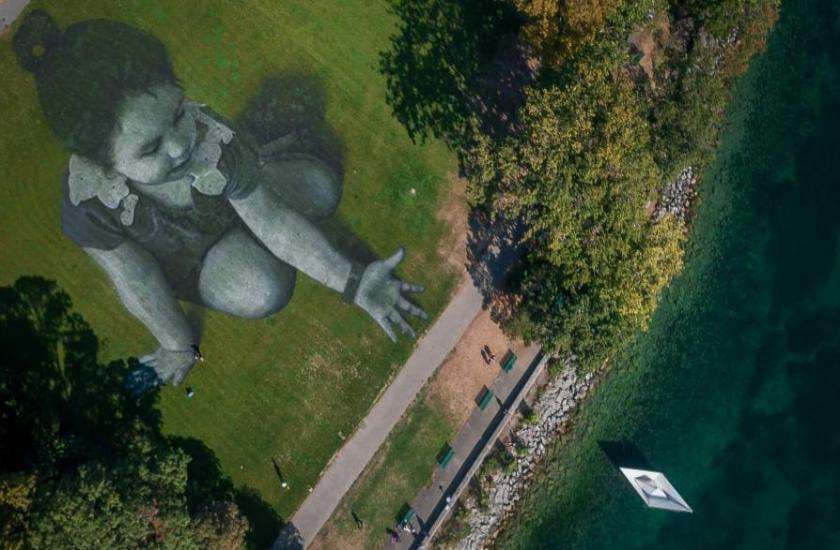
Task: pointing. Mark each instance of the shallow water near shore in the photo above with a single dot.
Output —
(734, 392)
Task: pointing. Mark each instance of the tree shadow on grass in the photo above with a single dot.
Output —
(58, 403)
(265, 523)
(207, 483)
(456, 68)
(453, 63)
(287, 117)
(61, 407)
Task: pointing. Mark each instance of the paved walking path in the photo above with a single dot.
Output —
(9, 11)
(471, 445)
(352, 458)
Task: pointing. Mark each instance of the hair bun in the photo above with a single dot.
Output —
(36, 38)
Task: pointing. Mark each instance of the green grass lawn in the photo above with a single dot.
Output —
(399, 470)
(292, 386)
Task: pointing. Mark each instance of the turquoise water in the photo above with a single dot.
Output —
(735, 390)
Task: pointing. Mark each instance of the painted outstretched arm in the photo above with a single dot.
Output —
(146, 294)
(296, 241)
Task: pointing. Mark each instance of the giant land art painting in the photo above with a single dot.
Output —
(222, 191)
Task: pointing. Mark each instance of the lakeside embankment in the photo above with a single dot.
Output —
(552, 412)
(732, 392)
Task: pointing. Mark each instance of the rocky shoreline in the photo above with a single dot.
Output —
(677, 197)
(553, 410)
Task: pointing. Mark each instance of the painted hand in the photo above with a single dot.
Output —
(380, 294)
(161, 367)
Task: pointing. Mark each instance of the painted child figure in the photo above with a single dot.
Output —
(175, 204)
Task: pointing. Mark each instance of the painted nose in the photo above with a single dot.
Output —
(177, 147)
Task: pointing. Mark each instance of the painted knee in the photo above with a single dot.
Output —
(265, 307)
(257, 302)
(307, 185)
(326, 190)
(242, 278)
(256, 294)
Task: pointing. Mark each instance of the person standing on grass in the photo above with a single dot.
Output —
(176, 204)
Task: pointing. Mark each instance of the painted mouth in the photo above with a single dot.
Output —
(183, 164)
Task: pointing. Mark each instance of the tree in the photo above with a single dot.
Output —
(83, 459)
(583, 160)
(717, 38)
(130, 501)
(558, 29)
(437, 60)
(15, 502)
(580, 174)
(219, 525)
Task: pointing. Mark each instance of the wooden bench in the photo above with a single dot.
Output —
(509, 361)
(485, 398)
(445, 456)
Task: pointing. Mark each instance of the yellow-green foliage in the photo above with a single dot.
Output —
(16, 492)
(658, 259)
(588, 142)
(594, 143)
(579, 173)
(220, 526)
(558, 28)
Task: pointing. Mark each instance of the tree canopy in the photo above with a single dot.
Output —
(628, 95)
(83, 460)
(580, 173)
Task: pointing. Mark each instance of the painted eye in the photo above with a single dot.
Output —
(152, 148)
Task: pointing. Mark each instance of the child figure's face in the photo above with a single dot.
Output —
(153, 141)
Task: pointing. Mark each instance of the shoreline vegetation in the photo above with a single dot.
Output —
(729, 388)
(583, 125)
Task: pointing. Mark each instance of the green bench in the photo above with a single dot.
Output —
(445, 456)
(406, 516)
(485, 398)
(509, 362)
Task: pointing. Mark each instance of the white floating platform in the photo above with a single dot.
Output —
(655, 490)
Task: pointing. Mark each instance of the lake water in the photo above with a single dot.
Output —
(735, 390)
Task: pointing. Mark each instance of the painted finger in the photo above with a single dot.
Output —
(395, 259)
(155, 381)
(408, 287)
(142, 379)
(179, 376)
(387, 328)
(411, 308)
(404, 327)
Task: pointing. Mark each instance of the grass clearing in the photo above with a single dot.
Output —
(401, 467)
(292, 386)
(408, 458)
